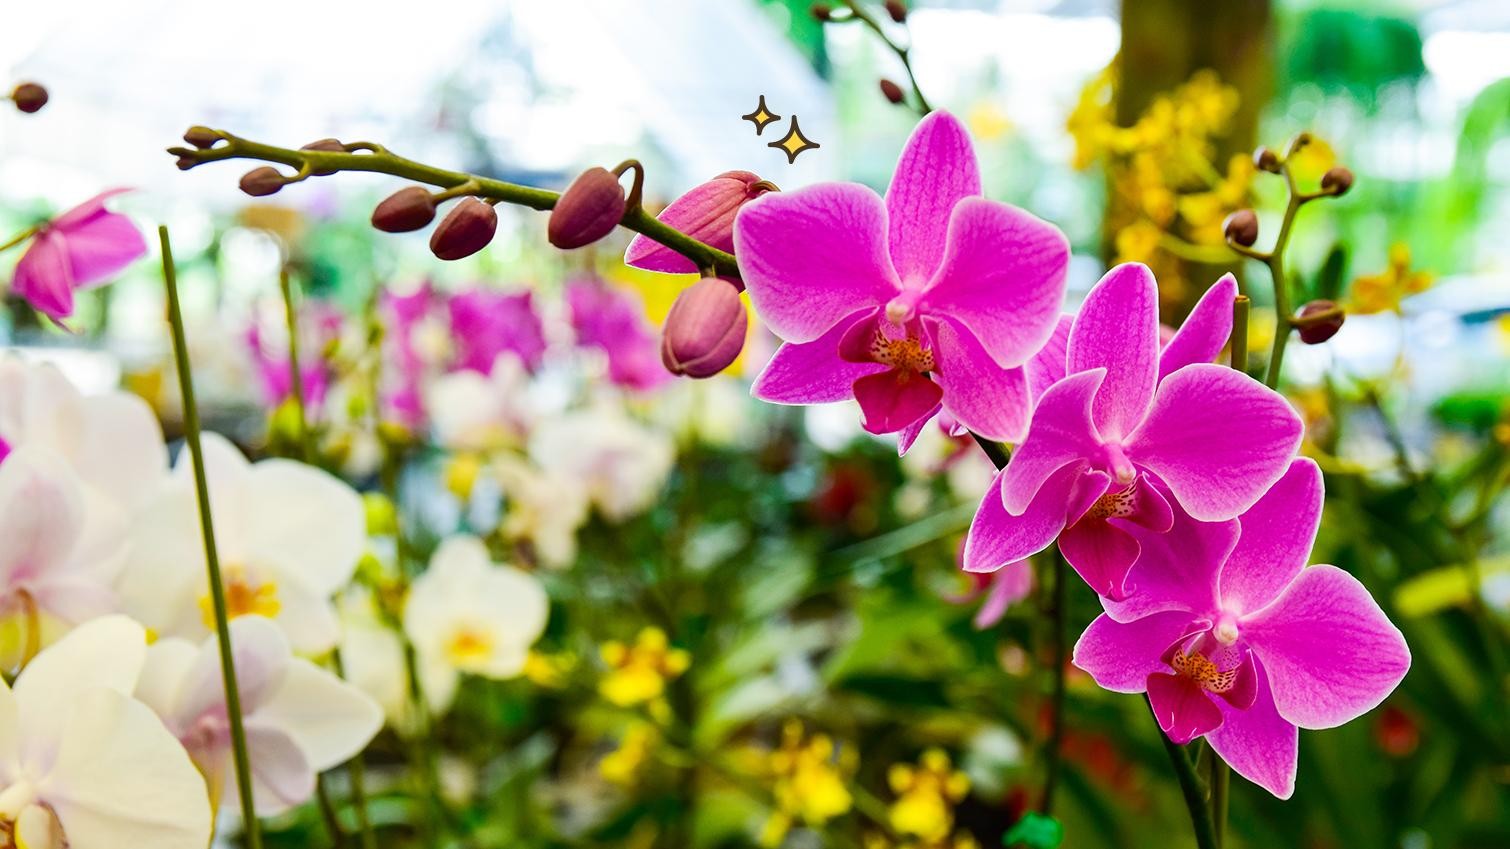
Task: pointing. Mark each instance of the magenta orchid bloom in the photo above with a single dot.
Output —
(705, 213)
(1129, 431)
(80, 249)
(485, 323)
(613, 321)
(932, 298)
(1001, 589)
(1233, 638)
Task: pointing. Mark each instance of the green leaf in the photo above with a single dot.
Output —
(1035, 831)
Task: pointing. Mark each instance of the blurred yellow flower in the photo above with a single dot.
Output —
(987, 122)
(638, 673)
(926, 796)
(1383, 292)
(622, 765)
(461, 471)
(808, 774)
(548, 670)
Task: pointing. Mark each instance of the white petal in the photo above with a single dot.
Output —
(41, 513)
(167, 667)
(39, 406)
(281, 776)
(103, 653)
(164, 575)
(306, 617)
(261, 657)
(305, 522)
(122, 450)
(121, 779)
(330, 719)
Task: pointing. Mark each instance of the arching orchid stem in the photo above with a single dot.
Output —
(857, 12)
(377, 159)
(1190, 788)
(253, 831)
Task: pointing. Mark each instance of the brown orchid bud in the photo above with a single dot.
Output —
(327, 146)
(892, 92)
(587, 211)
(466, 229)
(705, 330)
(1337, 180)
(1265, 159)
(1319, 321)
(203, 138)
(1241, 227)
(897, 10)
(405, 210)
(821, 12)
(29, 97)
(260, 182)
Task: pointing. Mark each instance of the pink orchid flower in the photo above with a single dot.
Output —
(1233, 638)
(933, 297)
(706, 213)
(80, 249)
(1130, 430)
(485, 323)
(613, 320)
(1002, 589)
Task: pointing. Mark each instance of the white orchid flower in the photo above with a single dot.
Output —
(288, 535)
(373, 654)
(58, 557)
(542, 509)
(481, 412)
(83, 765)
(300, 719)
(621, 463)
(474, 615)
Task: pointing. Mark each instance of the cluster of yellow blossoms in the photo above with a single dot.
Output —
(1382, 292)
(808, 775)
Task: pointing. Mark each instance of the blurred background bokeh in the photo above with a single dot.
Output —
(816, 664)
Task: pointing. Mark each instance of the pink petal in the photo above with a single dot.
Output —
(1010, 585)
(1002, 277)
(1101, 554)
(1330, 652)
(813, 372)
(42, 516)
(101, 247)
(1060, 433)
(706, 213)
(905, 437)
(936, 170)
(1176, 570)
(1184, 710)
(997, 538)
(1118, 329)
(1275, 541)
(86, 211)
(1258, 743)
(894, 399)
(1121, 655)
(261, 653)
(282, 776)
(1047, 367)
(981, 395)
(1205, 331)
(44, 276)
(1218, 438)
(813, 256)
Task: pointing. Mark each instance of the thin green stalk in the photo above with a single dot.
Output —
(1276, 264)
(1221, 779)
(19, 238)
(1190, 788)
(903, 53)
(1057, 657)
(1238, 341)
(328, 813)
(212, 557)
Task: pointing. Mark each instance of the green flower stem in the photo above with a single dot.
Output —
(1238, 341)
(858, 12)
(375, 158)
(1221, 779)
(212, 556)
(1190, 788)
(1057, 657)
(356, 769)
(19, 238)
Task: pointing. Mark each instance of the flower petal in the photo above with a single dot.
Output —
(981, 395)
(1218, 438)
(997, 538)
(909, 434)
(1002, 278)
(282, 777)
(102, 247)
(1101, 554)
(706, 213)
(937, 169)
(1205, 331)
(1060, 433)
(44, 277)
(893, 399)
(1330, 653)
(1275, 541)
(329, 719)
(262, 656)
(1258, 743)
(122, 449)
(1176, 570)
(1121, 655)
(41, 515)
(1047, 367)
(813, 372)
(303, 521)
(1118, 329)
(1184, 710)
(104, 653)
(813, 256)
(1011, 584)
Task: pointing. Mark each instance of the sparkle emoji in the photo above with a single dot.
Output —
(761, 116)
(794, 142)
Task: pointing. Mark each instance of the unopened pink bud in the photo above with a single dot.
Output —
(587, 211)
(706, 213)
(405, 210)
(466, 229)
(705, 330)
(263, 181)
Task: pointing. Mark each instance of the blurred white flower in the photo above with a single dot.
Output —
(470, 411)
(474, 615)
(112, 441)
(542, 510)
(621, 463)
(61, 545)
(85, 766)
(373, 655)
(299, 719)
(289, 537)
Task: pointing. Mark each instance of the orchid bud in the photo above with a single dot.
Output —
(465, 230)
(587, 211)
(263, 181)
(405, 210)
(706, 213)
(897, 10)
(29, 97)
(326, 146)
(1315, 329)
(1337, 180)
(821, 12)
(705, 330)
(1265, 159)
(1241, 227)
(203, 138)
(892, 92)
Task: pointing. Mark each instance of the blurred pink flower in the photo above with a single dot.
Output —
(1233, 638)
(403, 363)
(706, 213)
(1002, 589)
(933, 297)
(80, 249)
(486, 323)
(613, 321)
(319, 325)
(1130, 431)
